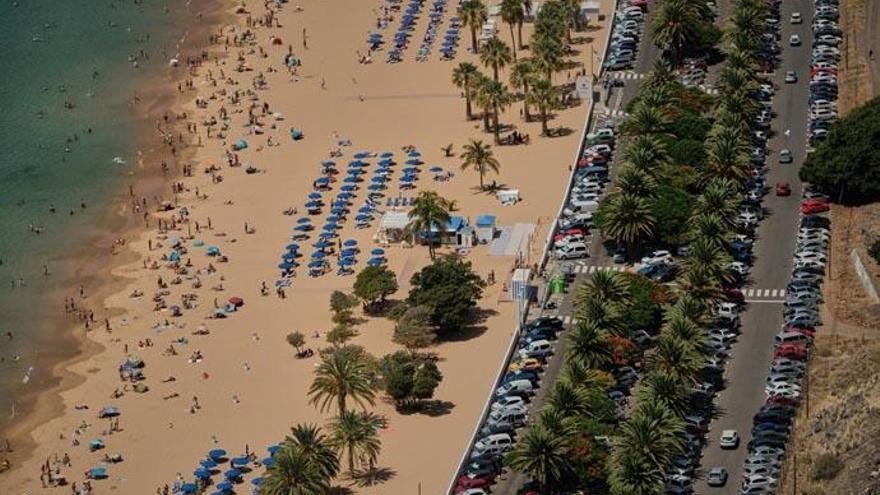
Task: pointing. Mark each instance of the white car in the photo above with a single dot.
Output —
(809, 264)
(572, 251)
(794, 40)
(771, 452)
(740, 268)
(729, 439)
(569, 239)
(509, 401)
(759, 481)
(796, 18)
(657, 258)
(788, 390)
(811, 256)
(727, 310)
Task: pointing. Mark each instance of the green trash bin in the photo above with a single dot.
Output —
(557, 285)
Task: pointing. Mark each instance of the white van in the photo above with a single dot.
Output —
(572, 251)
(491, 445)
(536, 349)
(514, 416)
(783, 338)
(519, 387)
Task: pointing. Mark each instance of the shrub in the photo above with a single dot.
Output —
(827, 466)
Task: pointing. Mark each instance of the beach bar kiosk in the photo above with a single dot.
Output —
(453, 232)
(485, 228)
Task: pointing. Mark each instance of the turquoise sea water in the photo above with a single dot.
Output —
(52, 52)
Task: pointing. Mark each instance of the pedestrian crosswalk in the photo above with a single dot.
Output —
(709, 90)
(569, 320)
(614, 114)
(593, 269)
(628, 75)
(763, 293)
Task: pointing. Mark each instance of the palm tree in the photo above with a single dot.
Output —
(684, 328)
(676, 357)
(666, 388)
(482, 100)
(495, 96)
(495, 54)
(464, 77)
(342, 375)
(312, 444)
(727, 152)
(545, 97)
(481, 158)
(710, 226)
(547, 54)
(605, 286)
(675, 27)
(605, 315)
(653, 432)
(627, 219)
(647, 119)
(636, 182)
(688, 307)
(568, 399)
(646, 152)
(293, 473)
(522, 74)
(577, 371)
(473, 13)
(721, 198)
(355, 433)
(429, 211)
(629, 473)
(589, 345)
(701, 282)
(541, 454)
(661, 76)
(708, 256)
(512, 13)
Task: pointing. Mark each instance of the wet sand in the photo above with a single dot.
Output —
(378, 107)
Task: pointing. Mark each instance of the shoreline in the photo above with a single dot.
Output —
(96, 267)
(468, 360)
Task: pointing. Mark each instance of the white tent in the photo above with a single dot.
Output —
(392, 226)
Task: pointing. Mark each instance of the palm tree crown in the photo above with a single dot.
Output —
(473, 14)
(464, 76)
(495, 54)
(429, 211)
(342, 375)
(481, 158)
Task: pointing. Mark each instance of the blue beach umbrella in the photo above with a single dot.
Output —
(414, 161)
(268, 462)
(208, 463)
(386, 154)
(356, 171)
(257, 481)
(362, 154)
(346, 262)
(348, 253)
(316, 264)
(189, 488)
(340, 203)
(202, 474)
(436, 169)
(378, 179)
(303, 228)
(345, 195)
(273, 449)
(328, 163)
(232, 474)
(314, 195)
(302, 220)
(350, 242)
(376, 187)
(365, 209)
(293, 246)
(98, 473)
(414, 154)
(216, 455)
(377, 251)
(285, 265)
(351, 180)
(407, 178)
(375, 262)
(327, 235)
(322, 244)
(317, 255)
(363, 217)
(323, 180)
(225, 486)
(348, 188)
(314, 204)
(332, 219)
(240, 460)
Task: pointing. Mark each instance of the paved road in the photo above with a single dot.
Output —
(747, 369)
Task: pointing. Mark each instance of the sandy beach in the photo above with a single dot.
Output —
(249, 386)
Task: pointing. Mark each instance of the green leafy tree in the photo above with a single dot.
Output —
(297, 340)
(671, 207)
(676, 26)
(450, 289)
(846, 165)
(589, 345)
(426, 380)
(413, 330)
(547, 54)
(340, 334)
(481, 158)
(429, 211)
(373, 285)
(342, 375)
(465, 76)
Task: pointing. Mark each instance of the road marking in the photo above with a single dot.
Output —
(763, 293)
(616, 114)
(628, 75)
(765, 301)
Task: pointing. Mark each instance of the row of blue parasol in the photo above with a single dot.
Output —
(401, 37)
(450, 39)
(435, 17)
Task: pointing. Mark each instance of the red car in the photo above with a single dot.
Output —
(792, 351)
(809, 332)
(814, 71)
(734, 295)
(567, 232)
(465, 482)
(785, 401)
(783, 189)
(812, 206)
